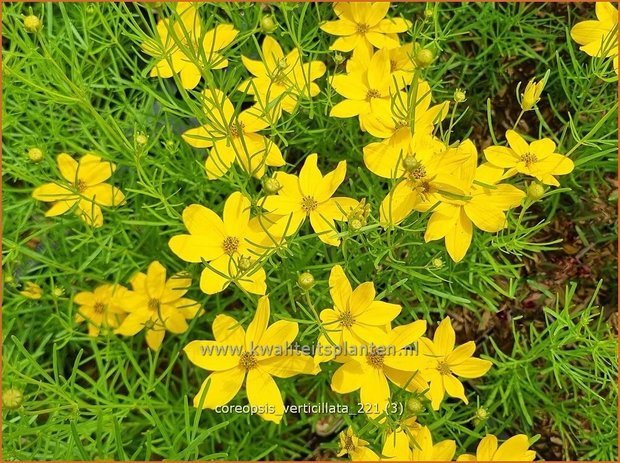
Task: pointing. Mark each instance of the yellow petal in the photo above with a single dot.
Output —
(68, 167)
(263, 393)
(92, 170)
(349, 108)
(236, 214)
(220, 388)
(196, 248)
(310, 176)
(471, 368)
(454, 388)
(290, 364)
(517, 143)
(375, 393)
(325, 228)
(219, 37)
(190, 76)
(154, 338)
(105, 194)
(341, 27)
(200, 137)
(515, 449)
(227, 330)
(444, 337)
(486, 448)
(259, 323)
(133, 324)
(459, 237)
(51, 192)
(254, 281)
(348, 378)
(213, 355)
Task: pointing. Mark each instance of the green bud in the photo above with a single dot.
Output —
(410, 163)
(272, 186)
(245, 263)
(32, 24)
(305, 281)
(415, 406)
(268, 25)
(459, 95)
(35, 154)
(535, 191)
(424, 57)
(12, 398)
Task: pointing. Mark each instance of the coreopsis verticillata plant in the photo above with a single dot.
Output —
(368, 366)
(355, 317)
(230, 246)
(514, 449)
(32, 291)
(255, 355)
(279, 80)
(427, 177)
(233, 137)
(84, 186)
(599, 38)
(441, 361)
(362, 90)
(157, 305)
(537, 159)
(101, 309)
(310, 196)
(484, 204)
(355, 447)
(183, 48)
(364, 25)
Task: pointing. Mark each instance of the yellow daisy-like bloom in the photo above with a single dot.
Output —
(83, 186)
(32, 291)
(280, 80)
(355, 447)
(483, 206)
(310, 195)
(514, 449)
(442, 361)
(182, 48)
(356, 316)
(363, 90)
(368, 367)
(599, 38)
(398, 446)
(364, 25)
(255, 356)
(537, 159)
(233, 137)
(158, 305)
(228, 246)
(103, 308)
(427, 178)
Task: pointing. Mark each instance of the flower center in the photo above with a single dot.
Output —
(401, 124)
(529, 159)
(308, 204)
(346, 319)
(418, 172)
(81, 186)
(99, 307)
(375, 359)
(230, 245)
(235, 129)
(372, 93)
(349, 446)
(443, 368)
(154, 304)
(393, 65)
(247, 361)
(362, 28)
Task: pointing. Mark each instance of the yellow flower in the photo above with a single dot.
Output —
(537, 159)
(514, 449)
(103, 308)
(280, 80)
(599, 38)
(483, 206)
(158, 305)
(83, 184)
(364, 25)
(398, 446)
(182, 47)
(428, 177)
(233, 137)
(310, 195)
(255, 356)
(355, 447)
(532, 93)
(363, 90)
(356, 316)
(442, 361)
(368, 367)
(228, 246)
(32, 290)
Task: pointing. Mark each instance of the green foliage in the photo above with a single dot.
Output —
(81, 84)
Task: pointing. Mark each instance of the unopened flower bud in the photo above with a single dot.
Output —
(272, 186)
(305, 281)
(356, 223)
(141, 139)
(32, 24)
(338, 58)
(58, 291)
(428, 13)
(12, 398)
(267, 24)
(459, 95)
(535, 191)
(410, 163)
(424, 57)
(415, 406)
(245, 263)
(437, 263)
(481, 415)
(35, 154)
